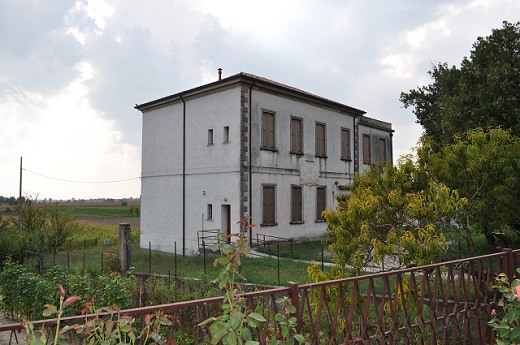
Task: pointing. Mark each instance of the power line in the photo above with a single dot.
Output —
(60, 179)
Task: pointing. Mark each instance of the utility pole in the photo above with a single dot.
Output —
(20, 202)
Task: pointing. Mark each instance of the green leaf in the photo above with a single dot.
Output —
(252, 322)
(278, 317)
(230, 338)
(257, 317)
(510, 316)
(236, 320)
(215, 337)
(515, 333)
(299, 338)
(251, 342)
(285, 331)
(247, 336)
(274, 342)
(292, 309)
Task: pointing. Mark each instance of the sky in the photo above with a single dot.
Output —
(72, 71)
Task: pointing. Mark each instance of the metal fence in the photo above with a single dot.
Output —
(445, 303)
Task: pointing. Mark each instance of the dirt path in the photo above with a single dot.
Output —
(4, 336)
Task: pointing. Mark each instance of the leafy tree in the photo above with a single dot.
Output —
(392, 211)
(483, 92)
(62, 226)
(470, 186)
(33, 215)
(484, 167)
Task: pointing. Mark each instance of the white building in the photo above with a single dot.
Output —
(247, 145)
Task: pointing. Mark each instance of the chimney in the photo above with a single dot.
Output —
(220, 74)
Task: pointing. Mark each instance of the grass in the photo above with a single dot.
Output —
(304, 250)
(106, 211)
(254, 270)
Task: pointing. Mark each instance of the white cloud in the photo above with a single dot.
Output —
(98, 10)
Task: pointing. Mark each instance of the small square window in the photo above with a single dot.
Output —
(226, 134)
(210, 136)
(210, 211)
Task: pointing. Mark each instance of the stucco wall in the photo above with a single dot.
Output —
(285, 169)
(212, 171)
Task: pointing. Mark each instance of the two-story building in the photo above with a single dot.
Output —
(247, 145)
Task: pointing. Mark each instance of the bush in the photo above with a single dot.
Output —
(124, 203)
(24, 293)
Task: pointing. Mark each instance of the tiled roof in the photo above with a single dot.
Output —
(293, 89)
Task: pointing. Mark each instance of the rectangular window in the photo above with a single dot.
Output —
(268, 131)
(321, 141)
(296, 205)
(210, 136)
(210, 211)
(366, 149)
(320, 202)
(345, 144)
(268, 205)
(382, 150)
(296, 136)
(226, 134)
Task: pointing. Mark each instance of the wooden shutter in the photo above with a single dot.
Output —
(296, 214)
(320, 202)
(366, 149)
(320, 140)
(382, 150)
(345, 144)
(269, 205)
(296, 135)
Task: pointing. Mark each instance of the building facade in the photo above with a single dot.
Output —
(246, 145)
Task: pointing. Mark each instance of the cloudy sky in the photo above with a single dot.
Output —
(71, 71)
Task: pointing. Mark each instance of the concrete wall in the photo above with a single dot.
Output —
(376, 130)
(284, 169)
(212, 171)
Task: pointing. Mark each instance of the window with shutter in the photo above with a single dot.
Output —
(269, 206)
(296, 136)
(366, 149)
(345, 144)
(296, 207)
(382, 150)
(320, 202)
(268, 131)
(321, 143)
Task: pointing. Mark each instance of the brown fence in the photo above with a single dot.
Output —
(445, 303)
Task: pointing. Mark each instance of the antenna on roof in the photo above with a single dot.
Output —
(220, 74)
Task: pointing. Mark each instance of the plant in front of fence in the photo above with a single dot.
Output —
(233, 326)
(287, 323)
(117, 329)
(507, 328)
(33, 339)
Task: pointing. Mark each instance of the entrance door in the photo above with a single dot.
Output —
(225, 221)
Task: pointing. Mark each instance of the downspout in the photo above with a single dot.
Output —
(250, 165)
(356, 157)
(183, 176)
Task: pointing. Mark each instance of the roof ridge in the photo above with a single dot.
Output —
(270, 81)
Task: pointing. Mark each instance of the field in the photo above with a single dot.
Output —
(98, 209)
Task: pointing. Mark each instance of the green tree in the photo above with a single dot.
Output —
(484, 167)
(62, 226)
(483, 92)
(392, 211)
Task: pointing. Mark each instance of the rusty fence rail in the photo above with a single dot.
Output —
(445, 303)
